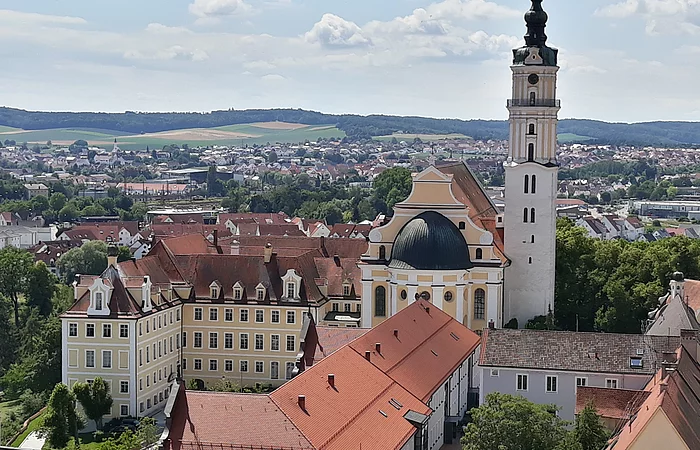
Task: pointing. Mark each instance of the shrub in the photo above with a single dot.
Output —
(31, 402)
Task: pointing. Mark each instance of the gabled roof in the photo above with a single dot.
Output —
(675, 315)
(573, 351)
(121, 303)
(677, 397)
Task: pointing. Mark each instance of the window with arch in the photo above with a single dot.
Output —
(529, 260)
(531, 128)
(534, 184)
(479, 304)
(525, 215)
(533, 99)
(382, 252)
(380, 301)
(532, 215)
(531, 152)
(527, 184)
(479, 253)
(532, 239)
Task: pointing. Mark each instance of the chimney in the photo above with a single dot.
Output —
(235, 247)
(331, 380)
(368, 355)
(112, 252)
(215, 235)
(492, 324)
(302, 402)
(396, 334)
(378, 347)
(267, 253)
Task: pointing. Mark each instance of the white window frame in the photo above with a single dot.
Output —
(122, 407)
(94, 362)
(215, 335)
(527, 382)
(262, 316)
(215, 312)
(201, 338)
(547, 384)
(123, 326)
(216, 364)
(585, 381)
(294, 317)
(194, 365)
(201, 314)
(228, 362)
(494, 373)
(247, 315)
(240, 341)
(272, 316)
(94, 332)
(610, 381)
(286, 342)
(121, 385)
(272, 343)
(259, 364)
(73, 326)
(111, 364)
(226, 336)
(228, 312)
(240, 366)
(272, 363)
(259, 338)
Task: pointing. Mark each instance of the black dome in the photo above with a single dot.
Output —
(430, 241)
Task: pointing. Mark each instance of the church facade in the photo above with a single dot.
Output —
(448, 243)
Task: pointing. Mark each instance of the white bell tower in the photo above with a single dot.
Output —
(531, 175)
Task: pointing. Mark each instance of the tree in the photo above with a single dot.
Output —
(124, 254)
(272, 157)
(507, 422)
(90, 259)
(139, 211)
(95, 399)
(61, 421)
(68, 213)
(15, 265)
(57, 201)
(589, 431)
(41, 286)
(390, 187)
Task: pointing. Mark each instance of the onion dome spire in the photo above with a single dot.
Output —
(536, 20)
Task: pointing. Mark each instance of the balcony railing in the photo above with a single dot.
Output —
(534, 102)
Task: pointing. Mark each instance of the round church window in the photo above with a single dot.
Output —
(425, 295)
(404, 294)
(448, 296)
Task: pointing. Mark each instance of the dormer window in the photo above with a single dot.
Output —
(99, 298)
(98, 301)
(237, 293)
(260, 292)
(214, 289)
(214, 292)
(636, 362)
(292, 285)
(346, 290)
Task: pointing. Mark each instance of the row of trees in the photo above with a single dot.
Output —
(611, 285)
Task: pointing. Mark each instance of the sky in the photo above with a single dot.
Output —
(621, 60)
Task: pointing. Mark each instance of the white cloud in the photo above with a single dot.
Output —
(259, 65)
(19, 17)
(158, 28)
(272, 77)
(174, 53)
(334, 31)
(206, 9)
(661, 16)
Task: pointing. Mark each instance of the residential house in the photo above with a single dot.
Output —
(118, 233)
(8, 219)
(51, 251)
(547, 367)
(594, 227)
(36, 189)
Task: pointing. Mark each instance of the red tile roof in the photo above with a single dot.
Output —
(610, 403)
(330, 339)
(692, 291)
(191, 244)
(259, 218)
(429, 347)
(349, 415)
(235, 420)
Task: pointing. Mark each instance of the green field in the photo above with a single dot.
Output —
(424, 137)
(227, 135)
(567, 138)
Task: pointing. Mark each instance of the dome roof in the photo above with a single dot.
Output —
(430, 241)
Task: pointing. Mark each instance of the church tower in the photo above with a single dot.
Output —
(531, 175)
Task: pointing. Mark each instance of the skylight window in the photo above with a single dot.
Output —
(636, 362)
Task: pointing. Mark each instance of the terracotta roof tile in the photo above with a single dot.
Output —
(232, 421)
(330, 339)
(610, 403)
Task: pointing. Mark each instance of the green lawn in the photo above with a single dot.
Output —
(567, 138)
(4, 129)
(33, 426)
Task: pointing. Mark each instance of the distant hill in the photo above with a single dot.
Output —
(572, 130)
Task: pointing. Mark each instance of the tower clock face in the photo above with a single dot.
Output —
(533, 78)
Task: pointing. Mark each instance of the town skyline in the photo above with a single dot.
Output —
(203, 55)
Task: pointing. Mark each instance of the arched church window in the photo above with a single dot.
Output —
(382, 252)
(525, 216)
(529, 261)
(527, 184)
(532, 239)
(479, 253)
(380, 301)
(479, 304)
(533, 99)
(448, 296)
(532, 215)
(531, 152)
(531, 128)
(534, 184)
(404, 294)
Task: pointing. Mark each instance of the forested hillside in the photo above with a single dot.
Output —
(650, 133)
